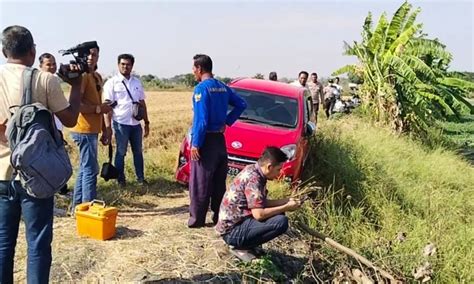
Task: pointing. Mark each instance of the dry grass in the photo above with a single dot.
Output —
(152, 240)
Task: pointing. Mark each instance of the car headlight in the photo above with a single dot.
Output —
(188, 136)
(289, 150)
(182, 160)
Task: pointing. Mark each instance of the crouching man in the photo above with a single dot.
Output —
(247, 218)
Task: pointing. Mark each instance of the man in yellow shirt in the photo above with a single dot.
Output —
(85, 134)
(19, 49)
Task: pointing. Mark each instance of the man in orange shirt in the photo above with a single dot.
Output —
(85, 134)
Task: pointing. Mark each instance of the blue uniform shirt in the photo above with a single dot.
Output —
(210, 101)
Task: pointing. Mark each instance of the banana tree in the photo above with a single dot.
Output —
(406, 82)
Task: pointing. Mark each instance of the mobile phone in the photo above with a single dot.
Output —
(112, 104)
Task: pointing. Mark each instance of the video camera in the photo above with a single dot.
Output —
(80, 54)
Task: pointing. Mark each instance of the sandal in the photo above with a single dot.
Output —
(243, 255)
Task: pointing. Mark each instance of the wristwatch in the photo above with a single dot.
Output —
(97, 109)
(147, 122)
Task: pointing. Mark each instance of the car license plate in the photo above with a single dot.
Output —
(233, 171)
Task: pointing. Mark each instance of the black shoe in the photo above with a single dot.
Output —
(121, 183)
(194, 224)
(143, 182)
(257, 251)
(63, 190)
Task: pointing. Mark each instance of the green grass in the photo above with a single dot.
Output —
(383, 184)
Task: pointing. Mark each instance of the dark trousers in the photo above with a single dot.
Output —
(329, 105)
(38, 217)
(316, 110)
(207, 180)
(251, 233)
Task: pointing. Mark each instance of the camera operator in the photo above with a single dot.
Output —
(15, 203)
(85, 134)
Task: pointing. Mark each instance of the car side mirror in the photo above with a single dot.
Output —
(310, 128)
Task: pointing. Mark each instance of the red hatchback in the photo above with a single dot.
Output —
(277, 114)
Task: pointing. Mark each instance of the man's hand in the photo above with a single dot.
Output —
(106, 137)
(71, 68)
(195, 154)
(3, 137)
(293, 204)
(147, 130)
(105, 108)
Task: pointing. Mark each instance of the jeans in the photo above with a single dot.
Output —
(251, 233)
(85, 189)
(38, 218)
(134, 134)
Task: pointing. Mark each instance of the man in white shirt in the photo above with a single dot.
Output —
(123, 90)
(337, 86)
(302, 79)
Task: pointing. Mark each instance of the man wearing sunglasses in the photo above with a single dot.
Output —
(85, 134)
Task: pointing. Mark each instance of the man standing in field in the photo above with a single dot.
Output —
(208, 150)
(302, 79)
(15, 203)
(316, 90)
(125, 89)
(247, 218)
(273, 76)
(48, 64)
(85, 134)
(329, 92)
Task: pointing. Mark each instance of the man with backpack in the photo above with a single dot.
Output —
(16, 201)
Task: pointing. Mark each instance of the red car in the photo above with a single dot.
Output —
(277, 114)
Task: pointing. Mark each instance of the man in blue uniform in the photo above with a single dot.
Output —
(208, 150)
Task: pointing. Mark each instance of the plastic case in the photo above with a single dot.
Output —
(95, 220)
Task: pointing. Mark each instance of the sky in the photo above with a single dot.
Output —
(242, 37)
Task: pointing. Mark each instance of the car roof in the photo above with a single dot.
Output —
(267, 86)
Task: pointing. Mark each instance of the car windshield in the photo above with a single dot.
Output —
(269, 109)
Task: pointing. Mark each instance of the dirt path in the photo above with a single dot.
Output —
(151, 244)
(152, 240)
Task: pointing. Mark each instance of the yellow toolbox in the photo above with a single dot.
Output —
(95, 220)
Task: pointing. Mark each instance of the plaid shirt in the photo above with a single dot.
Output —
(248, 190)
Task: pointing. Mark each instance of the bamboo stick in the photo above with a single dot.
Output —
(347, 250)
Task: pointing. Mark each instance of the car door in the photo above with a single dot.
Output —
(302, 146)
